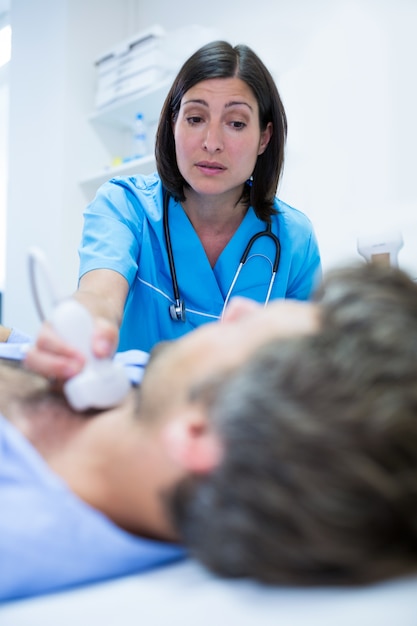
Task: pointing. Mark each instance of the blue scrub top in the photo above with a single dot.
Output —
(123, 231)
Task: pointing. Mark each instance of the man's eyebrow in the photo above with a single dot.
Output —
(205, 391)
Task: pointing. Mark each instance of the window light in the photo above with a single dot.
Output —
(5, 45)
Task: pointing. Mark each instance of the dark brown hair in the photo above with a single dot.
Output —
(319, 481)
(220, 60)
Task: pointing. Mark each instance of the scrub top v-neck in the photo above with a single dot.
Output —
(123, 231)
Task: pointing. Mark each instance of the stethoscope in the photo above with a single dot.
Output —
(177, 309)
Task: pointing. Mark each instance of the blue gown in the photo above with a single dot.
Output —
(51, 540)
(123, 231)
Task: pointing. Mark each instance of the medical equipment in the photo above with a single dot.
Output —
(381, 248)
(14, 351)
(177, 310)
(102, 383)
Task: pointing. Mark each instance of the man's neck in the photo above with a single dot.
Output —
(110, 460)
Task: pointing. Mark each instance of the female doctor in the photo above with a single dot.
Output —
(163, 254)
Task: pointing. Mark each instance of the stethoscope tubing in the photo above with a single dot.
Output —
(170, 253)
(177, 310)
(263, 233)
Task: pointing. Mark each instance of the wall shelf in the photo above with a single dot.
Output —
(118, 117)
(145, 165)
(121, 113)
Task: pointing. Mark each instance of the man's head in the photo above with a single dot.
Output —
(317, 482)
(179, 373)
(158, 435)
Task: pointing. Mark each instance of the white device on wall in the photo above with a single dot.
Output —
(102, 383)
(381, 248)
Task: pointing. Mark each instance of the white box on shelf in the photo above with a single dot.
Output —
(138, 82)
(133, 64)
(150, 56)
(133, 57)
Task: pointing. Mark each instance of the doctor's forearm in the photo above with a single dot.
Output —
(103, 293)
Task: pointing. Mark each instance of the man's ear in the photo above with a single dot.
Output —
(191, 443)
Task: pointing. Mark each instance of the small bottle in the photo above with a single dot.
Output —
(140, 140)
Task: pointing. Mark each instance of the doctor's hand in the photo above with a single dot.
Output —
(54, 358)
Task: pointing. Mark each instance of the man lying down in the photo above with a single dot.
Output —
(279, 445)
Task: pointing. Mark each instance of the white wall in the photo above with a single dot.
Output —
(346, 71)
(4, 111)
(4, 125)
(51, 144)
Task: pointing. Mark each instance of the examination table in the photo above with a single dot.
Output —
(185, 594)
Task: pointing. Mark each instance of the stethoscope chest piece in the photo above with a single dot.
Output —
(177, 311)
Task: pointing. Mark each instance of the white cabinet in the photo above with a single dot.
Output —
(114, 124)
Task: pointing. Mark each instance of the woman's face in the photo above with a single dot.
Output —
(217, 136)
